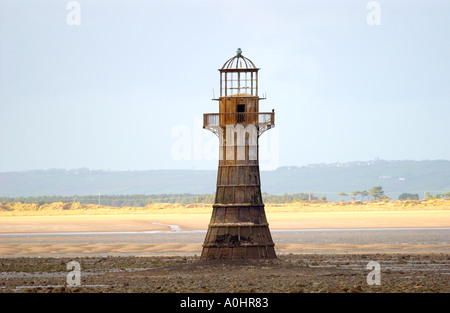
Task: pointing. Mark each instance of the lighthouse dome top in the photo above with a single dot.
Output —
(239, 63)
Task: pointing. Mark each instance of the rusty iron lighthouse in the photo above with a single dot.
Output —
(238, 228)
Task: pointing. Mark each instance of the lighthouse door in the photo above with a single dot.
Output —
(240, 113)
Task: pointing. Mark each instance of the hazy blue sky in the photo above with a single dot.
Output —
(127, 88)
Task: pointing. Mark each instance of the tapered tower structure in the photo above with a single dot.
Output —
(238, 228)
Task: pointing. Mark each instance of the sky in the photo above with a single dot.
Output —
(122, 85)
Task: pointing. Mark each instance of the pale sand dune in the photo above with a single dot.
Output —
(81, 223)
(199, 221)
(359, 219)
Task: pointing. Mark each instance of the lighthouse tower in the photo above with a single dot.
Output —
(238, 228)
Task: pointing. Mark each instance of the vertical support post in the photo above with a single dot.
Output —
(221, 76)
(226, 84)
(238, 82)
(256, 83)
(251, 83)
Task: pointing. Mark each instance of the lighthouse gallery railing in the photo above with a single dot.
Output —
(220, 119)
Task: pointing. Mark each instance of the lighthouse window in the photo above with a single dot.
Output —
(239, 83)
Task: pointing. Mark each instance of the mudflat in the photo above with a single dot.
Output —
(298, 273)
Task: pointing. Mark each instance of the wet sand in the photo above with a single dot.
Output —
(180, 242)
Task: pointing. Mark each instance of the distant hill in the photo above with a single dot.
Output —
(395, 177)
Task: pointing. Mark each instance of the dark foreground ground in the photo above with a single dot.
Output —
(297, 273)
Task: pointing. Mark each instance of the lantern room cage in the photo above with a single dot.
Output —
(239, 77)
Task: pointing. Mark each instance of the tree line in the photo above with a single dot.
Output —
(375, 193)
(437, 196)
(143, 200)
(137, 200)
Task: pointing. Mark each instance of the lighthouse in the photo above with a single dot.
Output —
(238, 228)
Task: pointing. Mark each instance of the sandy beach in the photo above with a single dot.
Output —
(199, 221)
(320, 248)
(182, 220)
(16, 217)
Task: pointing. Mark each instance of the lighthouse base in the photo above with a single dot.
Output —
(238, 232)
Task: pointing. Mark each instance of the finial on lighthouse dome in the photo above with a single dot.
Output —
(239, 51)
